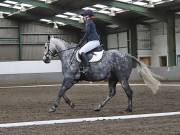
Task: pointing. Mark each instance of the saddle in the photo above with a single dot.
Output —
(94, 55)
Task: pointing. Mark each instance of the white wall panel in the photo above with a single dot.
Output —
(122, 38)
(29, 67)
(177, 23)
(32, 52)
(112, 41)
(159, 48)
(178, 43)
(118, 41)
(8, 52)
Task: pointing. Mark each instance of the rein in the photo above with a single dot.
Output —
(59, 51)
(66, 49)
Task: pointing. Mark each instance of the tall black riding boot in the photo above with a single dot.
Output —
(85, 63)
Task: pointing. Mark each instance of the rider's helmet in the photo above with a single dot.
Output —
(88, 13)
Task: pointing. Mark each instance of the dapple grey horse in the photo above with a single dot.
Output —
(114, 67)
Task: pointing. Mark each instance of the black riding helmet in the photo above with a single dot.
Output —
(88, 13)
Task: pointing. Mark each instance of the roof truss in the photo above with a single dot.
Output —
(145, 11)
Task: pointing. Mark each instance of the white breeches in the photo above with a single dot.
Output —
(89, 46)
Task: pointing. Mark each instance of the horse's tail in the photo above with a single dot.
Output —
(147, 75)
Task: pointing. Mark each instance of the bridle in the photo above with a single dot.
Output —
(49, 52)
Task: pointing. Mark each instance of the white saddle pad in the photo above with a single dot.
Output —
(97, 56)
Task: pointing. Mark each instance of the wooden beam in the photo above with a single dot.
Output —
(171, 39)
(132, 44)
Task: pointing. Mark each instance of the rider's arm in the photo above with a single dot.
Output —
(87, 31)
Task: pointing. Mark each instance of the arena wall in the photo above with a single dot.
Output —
(25, 40)
(37, 72)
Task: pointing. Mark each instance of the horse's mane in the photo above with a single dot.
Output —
(66, 43)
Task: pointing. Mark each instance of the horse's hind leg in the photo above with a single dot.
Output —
(68, 101)
(112, 92)
(129, 93)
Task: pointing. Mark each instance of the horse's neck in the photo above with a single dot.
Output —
(66, 55)
(65, 58)
(63, 52)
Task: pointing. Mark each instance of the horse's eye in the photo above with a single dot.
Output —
(45, 47)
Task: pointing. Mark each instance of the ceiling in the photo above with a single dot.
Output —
(107, 12)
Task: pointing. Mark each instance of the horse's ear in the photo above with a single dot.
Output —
(49, 37)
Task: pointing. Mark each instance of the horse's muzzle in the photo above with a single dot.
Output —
(46, 59)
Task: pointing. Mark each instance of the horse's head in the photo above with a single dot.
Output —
(49, 50)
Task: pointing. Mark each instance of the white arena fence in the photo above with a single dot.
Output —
(37, 72)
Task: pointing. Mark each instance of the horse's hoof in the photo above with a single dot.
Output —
(98, 108)
(72, 105)
(52, 110)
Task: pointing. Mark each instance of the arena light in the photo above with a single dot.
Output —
(4, 12)
(124, 0)
(48, 1)
(155, 1)
(60, 23)
(104, 12)
(17, 6)
(140, 3)
(160, 2)
(10, 2)
(89, 8)
(115, 9)
(42, 0)
(100, 6)
(74, 18)
(5, 5)
(62, 16)
(178, 13)
(26, 5)
(70, 14)
(46, 20)
(55, 23)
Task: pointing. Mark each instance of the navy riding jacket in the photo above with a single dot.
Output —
(90, 31)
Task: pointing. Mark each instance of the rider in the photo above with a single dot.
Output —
(91, 36)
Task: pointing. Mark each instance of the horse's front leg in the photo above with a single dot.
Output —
(67, 84)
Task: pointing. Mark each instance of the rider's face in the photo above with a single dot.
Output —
(85, 18)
